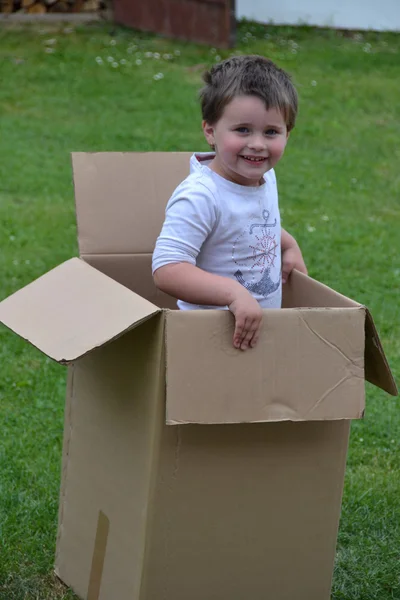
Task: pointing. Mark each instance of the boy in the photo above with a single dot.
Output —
(221, 245)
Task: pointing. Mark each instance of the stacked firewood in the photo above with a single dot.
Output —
(51, 6)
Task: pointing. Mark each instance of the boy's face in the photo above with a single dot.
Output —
(249, 140)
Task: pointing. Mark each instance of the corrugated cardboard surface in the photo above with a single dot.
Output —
(224, 512)
(121, 198)
(114, 411)
(247, 511)
(304, 291)
(72, 309)
(308, 365)
(133, 271)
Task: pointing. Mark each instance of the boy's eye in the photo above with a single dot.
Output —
(242, 129)
(271, 132)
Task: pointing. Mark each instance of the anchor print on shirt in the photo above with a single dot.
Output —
(264, 254)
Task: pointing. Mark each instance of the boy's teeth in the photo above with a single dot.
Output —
(253, 158)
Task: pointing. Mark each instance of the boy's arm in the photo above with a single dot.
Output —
(292, 257)
(191, 284)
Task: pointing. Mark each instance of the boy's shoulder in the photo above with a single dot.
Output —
(199, 179)
(270, 177)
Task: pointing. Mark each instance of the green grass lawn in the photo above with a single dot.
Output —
(98, 88)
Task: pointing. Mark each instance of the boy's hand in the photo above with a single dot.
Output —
(248, 317)
(191, 284)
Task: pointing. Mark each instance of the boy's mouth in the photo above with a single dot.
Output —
(253, 159)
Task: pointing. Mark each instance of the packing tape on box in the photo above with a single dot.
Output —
(99, 552)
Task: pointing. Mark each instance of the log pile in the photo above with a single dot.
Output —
(51, 6)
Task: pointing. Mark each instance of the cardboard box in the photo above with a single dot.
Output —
(191, 470)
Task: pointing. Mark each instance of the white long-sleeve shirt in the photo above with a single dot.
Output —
(225, 229)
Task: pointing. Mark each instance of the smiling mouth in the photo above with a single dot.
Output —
(254, 159)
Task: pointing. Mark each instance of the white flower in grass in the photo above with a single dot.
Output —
(138, 62)
(158, 76)
(324, 218)
(148, 54)
(156, 55)
(167, 56)
(99, 60)
(12, 238)
(50, 42)
(310, 228)
(217, 58)
(115, 65)
(123, 61)
(213, 51)
(15, 262)
(293, 51)
(110, 59)
(313, 83)
(367, 48)
(361, 439)
(113, 42)
(50, 50)
(177, 52)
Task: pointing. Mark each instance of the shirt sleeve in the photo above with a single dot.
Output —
(190, 217)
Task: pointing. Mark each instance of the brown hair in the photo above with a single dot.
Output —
(248, 75)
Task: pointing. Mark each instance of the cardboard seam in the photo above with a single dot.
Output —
(168, 520)
(82, 255)
(167, 312)
(66, 462)
(98, 556)
(155, 457)
(172, 422)
(337, 506)
(167, 515)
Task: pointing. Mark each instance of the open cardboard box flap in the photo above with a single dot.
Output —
(73, 309)
(303, 291)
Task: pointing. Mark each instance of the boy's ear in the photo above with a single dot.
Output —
(208, 133)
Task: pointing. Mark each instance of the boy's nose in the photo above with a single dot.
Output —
(258, 143)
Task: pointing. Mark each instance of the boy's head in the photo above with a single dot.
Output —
(248, 76)
(249, 107)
